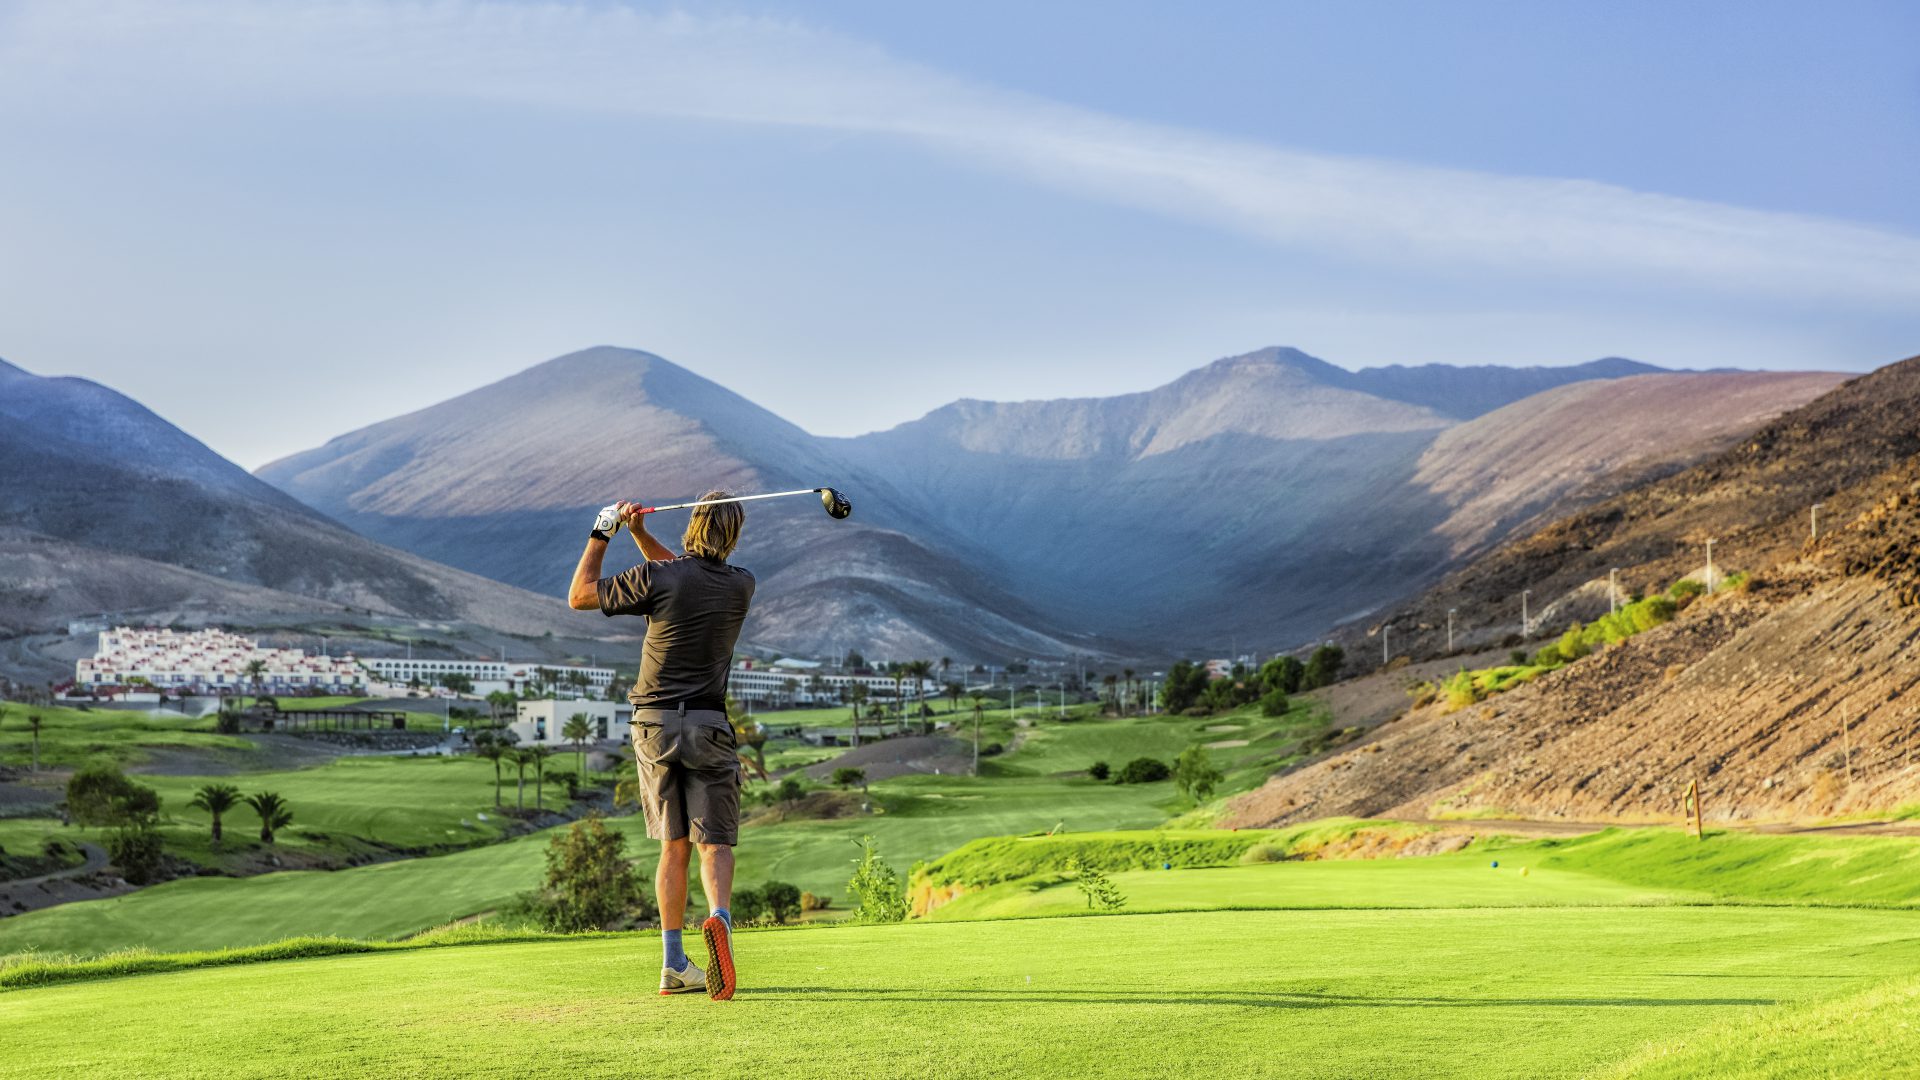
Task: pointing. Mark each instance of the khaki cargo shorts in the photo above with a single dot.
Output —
(689, 775)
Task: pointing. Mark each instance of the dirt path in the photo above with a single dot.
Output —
(96, 860)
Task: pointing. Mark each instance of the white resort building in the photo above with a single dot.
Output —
(802, 682)
(210, 661)
(490, 675)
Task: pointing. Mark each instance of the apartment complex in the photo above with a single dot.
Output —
(490, 675)
(211, 661)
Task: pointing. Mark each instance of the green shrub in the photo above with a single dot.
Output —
(1323, 667)
(135, 849)
(1273, 703)
(589, 883)
(1099, 770)
(1282, 674)
(1548, 656)
(1263, 853)
(875, 889)
(1461, 690)
(791, 790)
(749, 906)
(783, 901)
(101, 795)
(1144, 770)
(846, 776)
(1195, 775)
(1093, 884)
(1518, 656)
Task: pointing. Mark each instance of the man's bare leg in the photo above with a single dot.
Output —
(670, 882)
(716, 875)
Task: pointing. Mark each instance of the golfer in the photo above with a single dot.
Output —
(683, 743)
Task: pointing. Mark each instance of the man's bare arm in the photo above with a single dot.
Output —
(653, 550)
(584, 594)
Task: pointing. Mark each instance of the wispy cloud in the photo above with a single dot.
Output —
(609, 58)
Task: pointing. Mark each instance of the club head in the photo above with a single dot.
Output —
(836, 503)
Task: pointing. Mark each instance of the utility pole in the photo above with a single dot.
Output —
(1450, 612)
(1815, 535)
(1526, 618)
(1613, 590)
(1386, 648)
(1709, 568)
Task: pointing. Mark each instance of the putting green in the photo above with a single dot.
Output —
(1429, 993)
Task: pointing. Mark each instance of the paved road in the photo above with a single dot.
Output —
(96, 860)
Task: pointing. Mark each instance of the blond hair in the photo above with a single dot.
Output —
(714, 530)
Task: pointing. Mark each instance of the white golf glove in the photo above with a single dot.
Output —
(608, 522)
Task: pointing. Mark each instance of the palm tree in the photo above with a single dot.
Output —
(255, 669)
(954, 690)
(521, 759)
(1127, 674)
(538, 755)
(274, 813)
(33, 727)
(979, 707)
(485, 745)
(216, 799)
(1113, 695)
(945, 663)
(579, 728)
(856, 697)
(917, 670)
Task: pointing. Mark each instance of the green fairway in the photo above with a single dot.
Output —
(924, 817)
(1438, 881)
(72, 737)
(1428, 993)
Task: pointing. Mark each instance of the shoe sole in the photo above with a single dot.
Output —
(719, 958)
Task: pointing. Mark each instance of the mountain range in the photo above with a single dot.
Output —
(109, 509)
(1254, 501)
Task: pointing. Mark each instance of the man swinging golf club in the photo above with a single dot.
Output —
(683, 743)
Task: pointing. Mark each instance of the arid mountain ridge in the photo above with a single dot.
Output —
(1792, 698)
(1256, 500)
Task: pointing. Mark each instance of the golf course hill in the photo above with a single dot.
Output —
(1272, 473)
(1780, 677)
(107, 508)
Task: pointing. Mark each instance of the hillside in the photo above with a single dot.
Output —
(110, 509)
(987, 531)
(1789, 698)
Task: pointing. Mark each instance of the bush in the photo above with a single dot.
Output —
(1195, 775)
(101, 795)
(783, 901)
(1323, 667)
(846, 776)
(1263, 853)
(749, 906)
(1548, 656)
(135, 849)
(875, 889)
(1461, 690)
(1273, 703)
(1517, 657)
(1283, 674)
(1095, 886)
(1099, 770)
(992, 749)
(589, 883)
(814, 902)
(1197, 711)
(1144, 770)
(791, 790)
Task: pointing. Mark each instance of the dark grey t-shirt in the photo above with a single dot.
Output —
(695, 607)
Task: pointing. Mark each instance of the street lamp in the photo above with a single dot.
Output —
(1816, 521)
(1613, 590)
(1450, 629)
(1709, 567)
(1526, 619)
(1386, 649)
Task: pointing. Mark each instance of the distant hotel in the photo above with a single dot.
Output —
(216, 662)
(210, 662)
(803, 682)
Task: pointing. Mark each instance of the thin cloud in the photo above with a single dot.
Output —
(614, 59)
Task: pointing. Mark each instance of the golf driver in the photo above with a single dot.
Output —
(836, 503)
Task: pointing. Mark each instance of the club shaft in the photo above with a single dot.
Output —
(734, 499)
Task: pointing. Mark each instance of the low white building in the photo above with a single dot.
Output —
(542, 722)
(490, 675)
(211, 661)
(786, 684)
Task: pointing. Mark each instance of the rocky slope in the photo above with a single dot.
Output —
(1790, 699)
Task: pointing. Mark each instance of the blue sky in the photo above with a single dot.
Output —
(275, 222)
